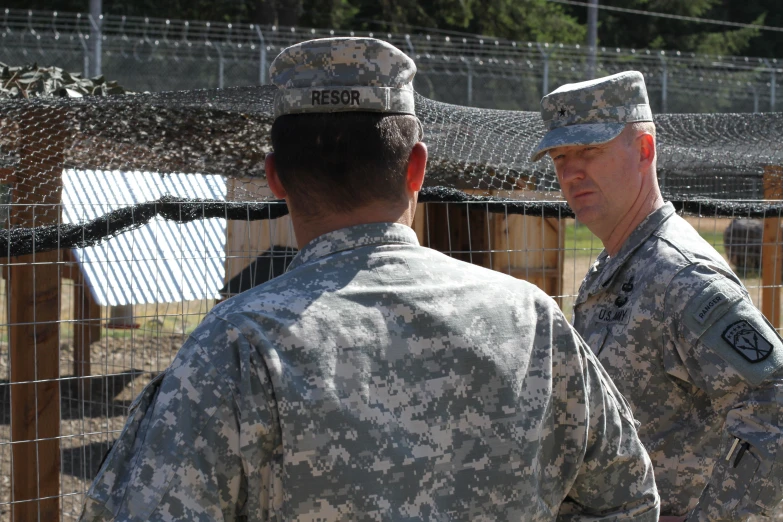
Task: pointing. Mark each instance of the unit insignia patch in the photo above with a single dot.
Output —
(747, 341)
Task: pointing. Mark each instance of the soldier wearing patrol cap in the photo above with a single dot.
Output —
(376, 379)
(668, 319)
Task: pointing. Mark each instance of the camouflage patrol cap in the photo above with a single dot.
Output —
(343, 74)
(592, 112)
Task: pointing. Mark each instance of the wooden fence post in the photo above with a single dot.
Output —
(771, 249)
(34, 308)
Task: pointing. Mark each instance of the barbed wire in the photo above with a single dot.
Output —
(224, 54)
(151, 30)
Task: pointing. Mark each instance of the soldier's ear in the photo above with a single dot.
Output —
(417, 164)
(646, 151)
(272, 178)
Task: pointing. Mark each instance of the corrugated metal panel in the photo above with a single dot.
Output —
(160, 262)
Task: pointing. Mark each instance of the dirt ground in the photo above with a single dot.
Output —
(88, 427)
(124, 361)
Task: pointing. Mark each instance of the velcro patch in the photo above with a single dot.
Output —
(731, 340)
(712, 303)
(747, 341)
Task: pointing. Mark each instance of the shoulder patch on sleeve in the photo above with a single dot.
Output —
(707, 301)
(747, 341)
(712, 302)
(732, 335)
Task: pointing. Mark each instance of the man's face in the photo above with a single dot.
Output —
(600, 182)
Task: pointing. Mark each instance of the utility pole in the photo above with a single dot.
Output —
(592, 36)
(96, 37)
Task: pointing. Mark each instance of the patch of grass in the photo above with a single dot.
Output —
(715, 239)
(582, 242)
(578, 237)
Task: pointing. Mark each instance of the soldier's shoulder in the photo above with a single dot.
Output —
(502, 291)
(496, 279)
(702, 290)
(273, 293)
(216, 348)
(681, 243)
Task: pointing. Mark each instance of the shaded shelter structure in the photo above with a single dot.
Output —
(157, 262)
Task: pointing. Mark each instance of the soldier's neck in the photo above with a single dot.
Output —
(307, 228)
(646, 205)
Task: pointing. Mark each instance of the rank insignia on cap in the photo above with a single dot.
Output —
(592, 112)
(746, 340)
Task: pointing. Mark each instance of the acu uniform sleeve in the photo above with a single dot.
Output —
(732, 353)
(615, 481)
(177, 457)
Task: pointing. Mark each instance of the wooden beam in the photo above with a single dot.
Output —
(419, 225)
(35, 402)
(555, 230)
(771, 251)
(34, 308)
(69, 268)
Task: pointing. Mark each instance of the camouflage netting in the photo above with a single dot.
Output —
(31, 81)
(707, 162)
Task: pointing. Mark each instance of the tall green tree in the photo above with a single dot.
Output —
(618, 29)
(768, 44)
(217, 10)
(536, 20)
(338, 14)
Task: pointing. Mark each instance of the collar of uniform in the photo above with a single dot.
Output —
(354, 237)
(605, 270)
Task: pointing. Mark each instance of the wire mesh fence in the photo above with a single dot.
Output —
(145, 54)
(79, 363)
(127, 218)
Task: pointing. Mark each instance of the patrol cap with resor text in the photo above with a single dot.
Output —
(592, 112)
(343, 74)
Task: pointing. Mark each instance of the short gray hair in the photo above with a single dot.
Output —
(636, 128)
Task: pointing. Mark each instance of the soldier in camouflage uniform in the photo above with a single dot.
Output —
(376, 379)
(664, 313)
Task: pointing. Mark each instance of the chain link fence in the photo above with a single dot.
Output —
(145, 54)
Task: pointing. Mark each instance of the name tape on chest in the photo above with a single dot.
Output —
(747, 341)
(335, 97)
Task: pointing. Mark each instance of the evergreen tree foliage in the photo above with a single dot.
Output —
(532, 20)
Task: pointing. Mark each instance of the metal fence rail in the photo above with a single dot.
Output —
(146, 54)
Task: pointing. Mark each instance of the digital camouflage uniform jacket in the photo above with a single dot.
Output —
(379, 380)
(680, 337)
